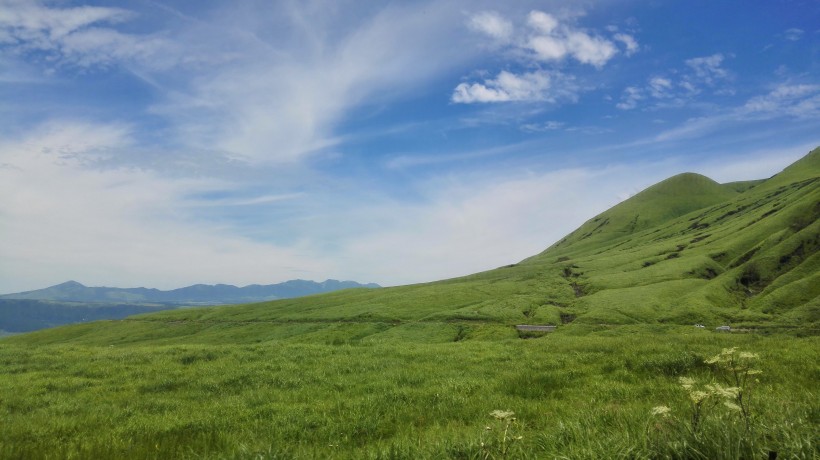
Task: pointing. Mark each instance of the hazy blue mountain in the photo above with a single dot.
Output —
(71, 302)
(198, 294)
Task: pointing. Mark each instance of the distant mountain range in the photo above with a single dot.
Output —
(198, 294)
(71, 302)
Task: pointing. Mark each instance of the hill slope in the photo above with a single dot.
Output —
(687, 250)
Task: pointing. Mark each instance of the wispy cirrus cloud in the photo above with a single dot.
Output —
(793, 34)
(790, 101)
(223, 81)
(114, 225)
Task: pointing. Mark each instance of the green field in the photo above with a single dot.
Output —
(434, 370)
(575, 394)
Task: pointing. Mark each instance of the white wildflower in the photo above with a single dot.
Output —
(732, 406)
(502, 414)
(698, 396)
(687, 383)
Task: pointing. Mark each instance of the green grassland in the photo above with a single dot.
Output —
(587, 394)
(415, 371)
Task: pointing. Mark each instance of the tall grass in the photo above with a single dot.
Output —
(585, 396)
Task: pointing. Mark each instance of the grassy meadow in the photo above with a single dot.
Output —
(576, 393)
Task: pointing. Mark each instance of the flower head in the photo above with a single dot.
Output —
(687, 383)
(698, 396)
(661, 411)
(732, 406)
(502, 414)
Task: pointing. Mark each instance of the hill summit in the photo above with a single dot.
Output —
(666, 200)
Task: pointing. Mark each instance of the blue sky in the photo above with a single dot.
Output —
(163, 144)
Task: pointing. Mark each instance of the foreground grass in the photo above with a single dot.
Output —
(575, 394)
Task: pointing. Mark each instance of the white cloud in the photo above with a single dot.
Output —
(794, 34)
(492, 24)
(795, 100)
(630, 98)
(544, 40)
(661, 91)
(798, 102)
(548, 48)
(542, 22)
(82, 36)
(551, 125)
(507, 87)
(660, 87)
(708, 69)
(629, 42)
(585, 48)
(553, 41)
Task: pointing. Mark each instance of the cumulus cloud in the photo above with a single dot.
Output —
(542, 40)
(664, 91)
(532, 86)
(660, 87)
(492, 24)
(708, 68)
(549, 40)
(630, 98)
(629, 42)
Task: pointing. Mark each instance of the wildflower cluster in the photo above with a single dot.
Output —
(505, 425)
(733, 391)
(735, 369)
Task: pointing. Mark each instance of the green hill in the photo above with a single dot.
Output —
(686, 250)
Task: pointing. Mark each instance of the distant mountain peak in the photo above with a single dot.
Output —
(69, 284)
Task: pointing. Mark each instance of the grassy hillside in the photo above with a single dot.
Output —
(684, 251)
(437, 370)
